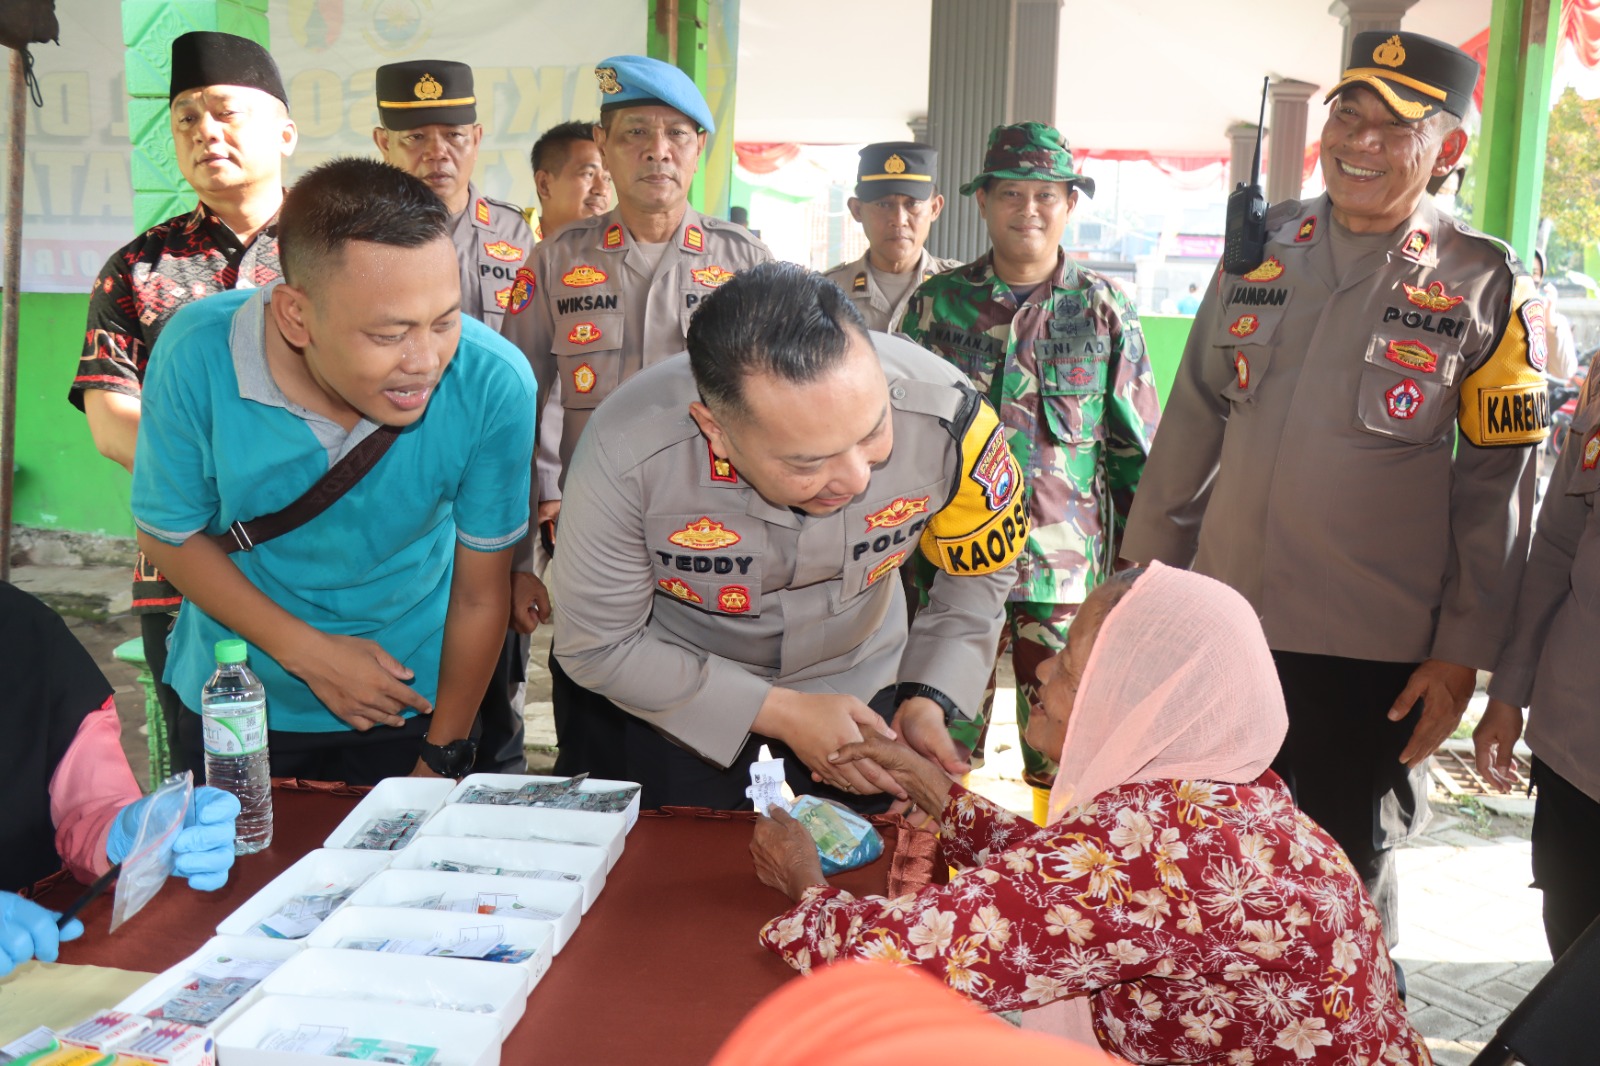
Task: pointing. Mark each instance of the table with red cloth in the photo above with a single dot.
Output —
(661, 969)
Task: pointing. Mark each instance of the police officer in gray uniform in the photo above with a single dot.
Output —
(725, 574)
(897, 201)
(1350, 444)
(615, 292)
(430, 129)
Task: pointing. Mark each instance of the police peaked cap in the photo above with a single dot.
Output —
(1416, 76)
(425, 92)
(206, 57)
(638, 81)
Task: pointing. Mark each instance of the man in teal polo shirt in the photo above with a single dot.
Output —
(387, 609)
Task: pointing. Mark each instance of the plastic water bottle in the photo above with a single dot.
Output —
(233, 707)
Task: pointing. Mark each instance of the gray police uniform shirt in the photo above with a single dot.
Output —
(602, 313)
(683, 596)
(1549, 659)
(857, 281)
(1308, 453)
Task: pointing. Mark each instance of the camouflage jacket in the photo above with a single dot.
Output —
(1068, 373)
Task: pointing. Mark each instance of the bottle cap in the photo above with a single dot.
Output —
(232, 651)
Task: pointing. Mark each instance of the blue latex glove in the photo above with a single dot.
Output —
(203, 849)
(28, 931)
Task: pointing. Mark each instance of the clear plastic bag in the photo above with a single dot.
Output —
(844, 839)
(148, 862)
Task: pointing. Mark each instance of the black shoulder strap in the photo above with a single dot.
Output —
(340, 479)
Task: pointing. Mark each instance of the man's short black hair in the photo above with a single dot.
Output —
(554, 146)
(775, 318)
(351, 199)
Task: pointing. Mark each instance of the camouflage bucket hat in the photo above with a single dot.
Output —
(1028, 151)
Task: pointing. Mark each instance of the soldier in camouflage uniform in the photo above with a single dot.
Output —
(1057, 349)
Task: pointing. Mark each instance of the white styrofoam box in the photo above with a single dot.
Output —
(219, 949)
(465, 985)
(314, 873)
(606, 831)
(630, 814)
(461, 1039)
(400, 888)
(412, 924)
(585, 863)
(388, 798)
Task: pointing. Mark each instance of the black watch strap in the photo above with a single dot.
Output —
(908, 689)
(449, 760)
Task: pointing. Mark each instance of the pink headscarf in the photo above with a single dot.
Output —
(1179, 686)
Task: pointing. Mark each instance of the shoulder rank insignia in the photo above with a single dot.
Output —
(506, 253)
(694, 239)
(1433, 298)
(581, 277)
(735, 599)
(721, 469)
(712, 276)
(584, 333)
(897, 513)
(583, 378)
(860, 283)
(1415, 244)
(1308, 230)
(481, 212)
(1413, 355)
(521, 294)
(1245, 325)
(674, 587)
(1271, 270)
(891, 563)
(703, 535)
(613, 239)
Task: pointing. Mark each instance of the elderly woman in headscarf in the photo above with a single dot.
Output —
(1177, 907)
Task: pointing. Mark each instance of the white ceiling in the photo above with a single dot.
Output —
(1162, 75)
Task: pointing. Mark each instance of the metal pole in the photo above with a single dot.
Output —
(12, 281)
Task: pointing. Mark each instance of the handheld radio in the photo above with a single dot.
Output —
(1244, 243)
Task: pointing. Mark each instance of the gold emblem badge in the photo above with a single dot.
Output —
(677, 588)
(428, 88)
(1390, 53)
(1591, 452)
(1413, 355)
(1271, 270)
(502, 297)
(887, 565)
(506, 253)
(703, 535)
(1245, 325)
(583, 378)
(712, 276)
(894, 165)
(607, 77)
(1241, 370)
(482, 211)
(735, 599)
(1432, 298)
(584, 333)
(581, 277)
(897, 513)
(1308, 229)
(1415, 244)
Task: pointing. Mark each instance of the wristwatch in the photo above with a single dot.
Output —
(449, 760)
(963, 730)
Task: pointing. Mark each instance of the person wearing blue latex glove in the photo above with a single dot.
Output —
(203, 850)
(28, 931)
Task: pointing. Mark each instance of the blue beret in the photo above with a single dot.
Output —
(638, 80)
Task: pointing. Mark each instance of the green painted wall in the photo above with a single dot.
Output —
(62, 482)
(1164, 337)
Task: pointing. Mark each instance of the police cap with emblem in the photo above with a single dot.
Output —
(205, 57)
(1028, 151)
(1417, 76)
(637, 81)
(904, 167)
(425, 92)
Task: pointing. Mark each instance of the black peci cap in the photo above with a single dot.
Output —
(206, 57)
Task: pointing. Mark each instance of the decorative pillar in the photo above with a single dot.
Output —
(1510, 154)
(1286, 100)
(148, 30)
(1359, 16)
(1241, 152)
